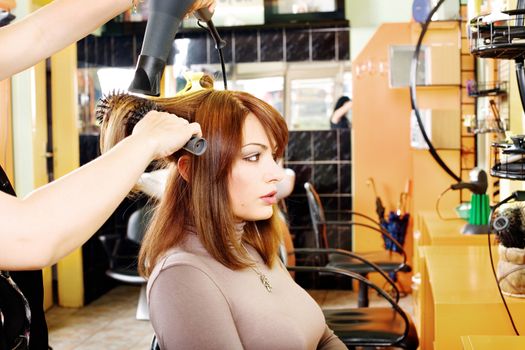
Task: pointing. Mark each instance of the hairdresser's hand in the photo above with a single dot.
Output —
(8, 4)
(199, 4)
(164, 132)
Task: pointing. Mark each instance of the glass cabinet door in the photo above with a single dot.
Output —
(311, 103)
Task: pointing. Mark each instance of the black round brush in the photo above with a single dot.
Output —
(140, 107)
(509, 225)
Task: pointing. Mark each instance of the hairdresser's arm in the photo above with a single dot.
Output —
(340, 112)
(54, 220)
(7, 4)
(54, 27)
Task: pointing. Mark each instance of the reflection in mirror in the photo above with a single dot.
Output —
(304, 93)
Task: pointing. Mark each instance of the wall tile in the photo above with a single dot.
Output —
(299, 146)
(323, 45)
(246, 46)
(303, 173)
(304, 44)
(104, 56)
(325, 145)
(325, 178)
(82, 54)
(197, 50)
(92, 51)
(330, 203)
(345, 178)
(297, 45)
(345, 145)
(298, 212)
(345, 203)
(329, 171)
(343, 45)
(272, 48)
(122, 51)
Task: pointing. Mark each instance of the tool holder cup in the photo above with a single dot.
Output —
(478, 216)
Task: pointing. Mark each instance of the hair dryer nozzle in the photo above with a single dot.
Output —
(163, 22)
(148, 74)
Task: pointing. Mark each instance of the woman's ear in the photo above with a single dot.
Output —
(183, 165)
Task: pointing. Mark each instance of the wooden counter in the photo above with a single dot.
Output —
(459, 297)
(435, 231)
(490, 342)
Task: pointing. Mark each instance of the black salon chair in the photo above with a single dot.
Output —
(122, 267)
(375, 327)
(387, 260)
(360, 326)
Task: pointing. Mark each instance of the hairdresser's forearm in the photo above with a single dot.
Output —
(59, 217)
(52, 28)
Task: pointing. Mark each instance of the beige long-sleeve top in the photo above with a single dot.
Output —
(197, 303)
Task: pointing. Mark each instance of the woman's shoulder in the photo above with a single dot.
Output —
(179, 263)
(178, 257)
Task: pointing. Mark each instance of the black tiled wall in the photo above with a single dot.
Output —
(322, 157)
(307, 43)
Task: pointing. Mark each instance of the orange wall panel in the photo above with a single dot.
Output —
(381, 128)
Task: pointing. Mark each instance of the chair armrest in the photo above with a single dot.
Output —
(353, 213)
(349, 274)
(379, 229)
(354, 256)
(110, 243)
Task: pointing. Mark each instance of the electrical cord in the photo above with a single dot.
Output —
(514, 196)
(219, 44)
(437, 207)
(413, 82)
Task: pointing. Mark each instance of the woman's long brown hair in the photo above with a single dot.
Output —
(203, 201)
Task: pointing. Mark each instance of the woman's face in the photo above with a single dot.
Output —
(254, 175)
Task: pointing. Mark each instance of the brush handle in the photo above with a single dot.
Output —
(196, 145)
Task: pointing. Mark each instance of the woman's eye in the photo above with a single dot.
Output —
(252, 157)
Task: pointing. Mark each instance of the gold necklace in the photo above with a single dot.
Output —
(262, 277)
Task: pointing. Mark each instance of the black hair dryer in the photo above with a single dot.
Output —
(165, 17)
(478, 222)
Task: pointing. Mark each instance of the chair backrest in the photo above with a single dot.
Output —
(317, 216)
(137, 224)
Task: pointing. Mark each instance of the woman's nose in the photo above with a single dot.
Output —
(275, 173)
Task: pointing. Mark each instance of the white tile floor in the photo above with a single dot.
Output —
(109, 322)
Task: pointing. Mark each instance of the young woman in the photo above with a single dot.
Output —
(210, 253)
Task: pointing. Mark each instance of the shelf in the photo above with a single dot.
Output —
(488, 89)
(114, 28)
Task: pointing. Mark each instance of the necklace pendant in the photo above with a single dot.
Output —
(266, 283)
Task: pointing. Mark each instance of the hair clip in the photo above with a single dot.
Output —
(193, 82)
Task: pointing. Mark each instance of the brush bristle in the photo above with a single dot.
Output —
(138, 107)
(513, 235)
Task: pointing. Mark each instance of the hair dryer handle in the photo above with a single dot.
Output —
(196, 145)
(203, 14)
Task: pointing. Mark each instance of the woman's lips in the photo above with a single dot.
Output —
(270, 198)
